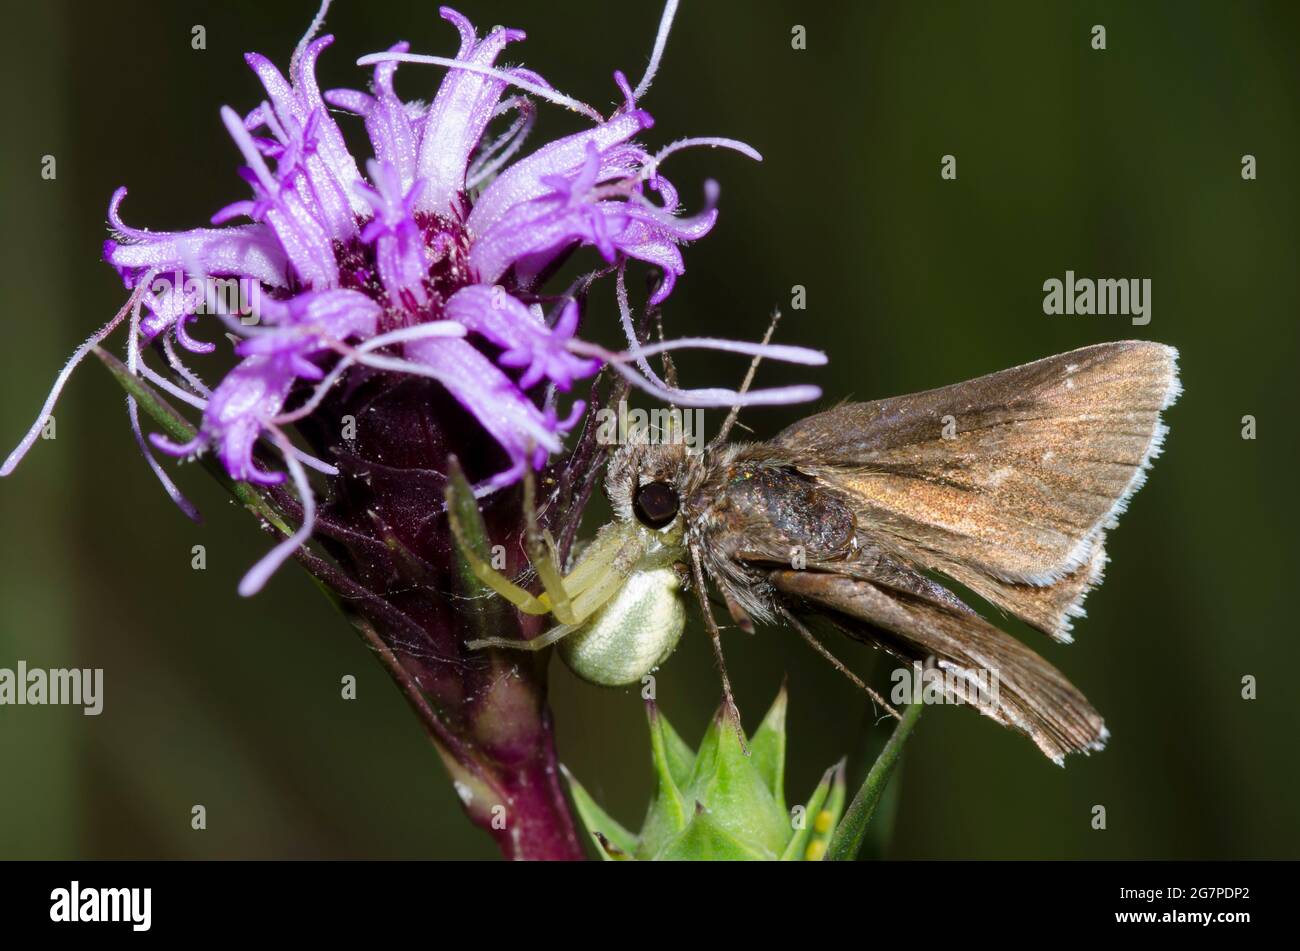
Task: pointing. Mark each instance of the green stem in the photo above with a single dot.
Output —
(853, 828)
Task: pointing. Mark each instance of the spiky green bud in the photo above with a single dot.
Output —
(721, 802)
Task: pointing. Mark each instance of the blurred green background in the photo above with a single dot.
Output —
(1122, 163)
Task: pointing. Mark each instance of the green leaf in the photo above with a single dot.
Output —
(598, 822)
(707, 840)
(668, 814)
(678, 755)
(737, 795)
(881, 829)
(767, 748)
(848, 837)
(163, 413)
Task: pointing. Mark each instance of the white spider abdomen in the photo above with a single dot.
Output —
(632, 634)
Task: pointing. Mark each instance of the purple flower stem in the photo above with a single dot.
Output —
(397, 574)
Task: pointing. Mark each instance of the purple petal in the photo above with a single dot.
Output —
(303, 236)
(327, 163)
(338, 313)
(400, 254)
(241, 406)
(508, 323)
(457, 118)
(248, 250)
(522, 182)
(388, 122)
(501, 408)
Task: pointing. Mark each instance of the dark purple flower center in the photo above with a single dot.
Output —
(448, 243)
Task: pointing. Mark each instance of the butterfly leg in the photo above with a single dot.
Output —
(835, 662)
(715, 635)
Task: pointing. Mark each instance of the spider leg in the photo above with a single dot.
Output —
(599, 574)
(542, 556)
(541, 642)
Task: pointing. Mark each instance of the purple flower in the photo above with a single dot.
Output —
(429, 265)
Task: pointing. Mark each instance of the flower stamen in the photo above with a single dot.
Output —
(133, 362)
(257, 576)
(657, 53)
(61, 380)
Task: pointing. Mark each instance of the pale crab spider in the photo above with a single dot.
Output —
(619, 610)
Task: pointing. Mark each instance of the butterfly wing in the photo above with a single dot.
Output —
(1006, 483)
(1029, 694)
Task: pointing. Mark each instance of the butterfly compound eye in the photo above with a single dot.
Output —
(655, 504)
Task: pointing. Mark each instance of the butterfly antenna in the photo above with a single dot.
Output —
(670, 377)
(734, 414)
(670, 368)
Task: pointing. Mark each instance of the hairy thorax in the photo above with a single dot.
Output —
(751, 511)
